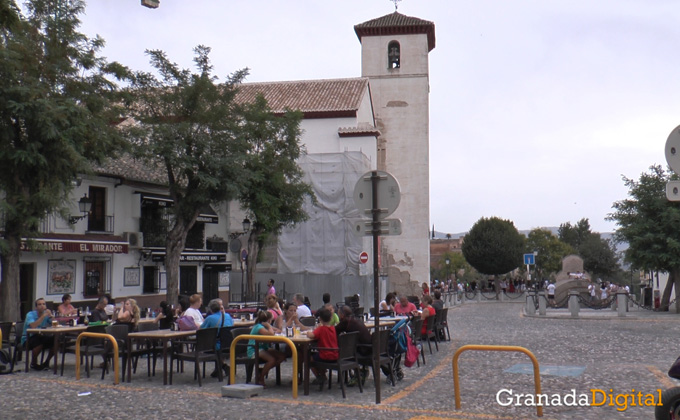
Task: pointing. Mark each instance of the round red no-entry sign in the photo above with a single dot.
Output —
(363, 257)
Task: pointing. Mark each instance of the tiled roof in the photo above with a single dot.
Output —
(315, 98)
(130, 169)
(362, 131)
(397, 24)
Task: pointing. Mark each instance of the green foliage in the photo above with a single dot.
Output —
(550, 251)
(191, 128)
(274, 193)
(56, 110)
(649, 222)
(494, 246)
(599, 255)
(453, 268)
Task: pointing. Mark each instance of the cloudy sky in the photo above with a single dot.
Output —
(537, 108)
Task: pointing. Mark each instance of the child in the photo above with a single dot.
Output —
(271, 357)
(326, 339)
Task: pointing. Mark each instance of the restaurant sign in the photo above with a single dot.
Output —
(76, 245)
(205, 257)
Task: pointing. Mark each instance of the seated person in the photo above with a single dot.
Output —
(270, 356)
(128, 314)
(290, 318)
(348, 323)
(404, 307)
(99, 312)
(302, 309)
(427, 312)
(193, 311)
(326, 298)
(66, 309)
(165, 317)
(110, 306)
(326, 339)
(217, 317)
(387, 305)
(438, 303)
(40, 318)
(272, 304)
(334, 317)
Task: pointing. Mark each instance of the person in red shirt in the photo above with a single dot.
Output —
(426, 289)
(327, 342)
(427, 312)
(404, 307)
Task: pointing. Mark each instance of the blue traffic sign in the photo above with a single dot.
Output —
(529, 259)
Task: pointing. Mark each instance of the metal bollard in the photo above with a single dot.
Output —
(573, 303)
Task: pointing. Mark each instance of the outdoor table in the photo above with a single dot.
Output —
(303, 343)
(370, 324)
(244, 323)
(56, 332)
(166, 336)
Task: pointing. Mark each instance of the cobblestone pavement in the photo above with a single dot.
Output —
(616, 355)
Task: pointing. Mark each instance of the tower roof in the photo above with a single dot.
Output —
(397, 24)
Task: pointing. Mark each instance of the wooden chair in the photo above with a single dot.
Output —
(347, 360)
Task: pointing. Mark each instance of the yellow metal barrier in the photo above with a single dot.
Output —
(537, 374)
(116, 362)
(266, 339)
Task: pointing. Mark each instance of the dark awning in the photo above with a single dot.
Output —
(207, 214)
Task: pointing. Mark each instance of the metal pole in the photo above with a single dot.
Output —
(376, 281)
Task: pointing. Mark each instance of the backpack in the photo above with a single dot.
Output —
(186, 323)
(412, 353)
(398, 341)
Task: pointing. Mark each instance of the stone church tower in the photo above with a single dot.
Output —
(394, 58)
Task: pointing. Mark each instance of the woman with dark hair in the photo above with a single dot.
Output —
(165, 317)
(270, 356)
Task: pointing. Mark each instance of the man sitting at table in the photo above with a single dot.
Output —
(99, 312)
(302, 309)
(40, 318)
(438, 303)
(217, 318)
(404, 307)
(350, 324)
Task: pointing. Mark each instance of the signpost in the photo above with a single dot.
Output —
(377, 194)
(672, 150)
(529, 259)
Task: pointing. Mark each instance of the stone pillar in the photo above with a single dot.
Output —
(530, 308)
(462, 297)
(478, 295)
(622, 303)
(502, 296)
(574, 305)
(542, 303)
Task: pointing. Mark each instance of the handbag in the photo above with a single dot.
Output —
(674, 371)
(186, 323)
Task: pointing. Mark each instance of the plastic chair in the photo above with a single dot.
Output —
(149, 348)
(385, 360)
(430, 334)
(241, 352)
(416, 328)
(441, 324)
(347, 360)
(204, 351)
(308, 321)
(120, 334)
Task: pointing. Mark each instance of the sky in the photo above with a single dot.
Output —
(537, 108)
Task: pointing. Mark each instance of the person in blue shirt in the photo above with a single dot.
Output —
(40, 318)
(217, 318)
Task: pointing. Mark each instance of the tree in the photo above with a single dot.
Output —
(550, 251)
(651, 226)
(275, 192)
(190, 127)
(56, 111)
(493, 246)
(456, 262)
(599, 255)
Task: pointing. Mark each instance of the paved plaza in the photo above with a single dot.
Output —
(598, 351)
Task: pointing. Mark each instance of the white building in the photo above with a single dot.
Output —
(377, 121)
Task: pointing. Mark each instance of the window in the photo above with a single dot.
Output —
(96, 220)
(150, 283)
(393, 54)
(95, 279)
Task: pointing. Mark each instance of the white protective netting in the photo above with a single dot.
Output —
(325, 244)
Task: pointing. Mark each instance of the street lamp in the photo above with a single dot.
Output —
(245, 224)
(246, 227)
(84, 205)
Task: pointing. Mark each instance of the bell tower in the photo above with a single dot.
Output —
(394, 57)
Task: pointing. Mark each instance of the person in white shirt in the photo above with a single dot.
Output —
(551, 293)
(302, 309)
(195, 301)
